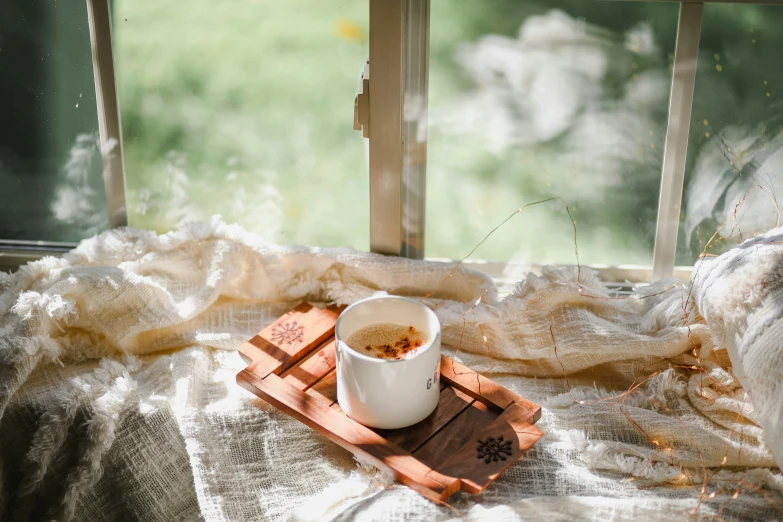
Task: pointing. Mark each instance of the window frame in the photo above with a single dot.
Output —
(15, 253)
(399, 61)
(109, 128)
(674, 157)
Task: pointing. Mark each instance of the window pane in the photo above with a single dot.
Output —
(735, 137)
(50, 162)
(536, 99)
(245, 109)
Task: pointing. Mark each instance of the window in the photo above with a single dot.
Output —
(50, 160)
(535, 100)
(649, 32)
(735, 137)
(243, 109)
(471, 109)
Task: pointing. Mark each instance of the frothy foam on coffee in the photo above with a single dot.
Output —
(387, 340)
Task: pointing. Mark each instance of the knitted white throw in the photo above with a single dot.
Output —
(118, 400)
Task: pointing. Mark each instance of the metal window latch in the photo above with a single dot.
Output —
(361, 104)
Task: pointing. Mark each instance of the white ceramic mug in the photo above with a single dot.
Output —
(388, 393)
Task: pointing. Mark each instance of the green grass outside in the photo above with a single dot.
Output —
(244, 108)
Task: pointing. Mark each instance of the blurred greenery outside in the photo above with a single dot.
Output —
(615, 218)
(244, 108)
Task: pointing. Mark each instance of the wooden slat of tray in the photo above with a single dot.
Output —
(312, 369)
(459, 431)
(290, 338)
(513, 425)
(477, 431)
(483, 389)
(359, 439)
(450, 404)
(325, 389)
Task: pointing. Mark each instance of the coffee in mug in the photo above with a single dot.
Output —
(387, 340)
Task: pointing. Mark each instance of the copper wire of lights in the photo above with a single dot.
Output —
(666, 454)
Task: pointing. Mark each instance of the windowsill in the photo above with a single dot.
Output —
(506, 275)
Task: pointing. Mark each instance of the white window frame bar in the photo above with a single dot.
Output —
(110, 130)
(414, 126)
(399, 68)
(385, 92)
(15, 253)
(675, 150)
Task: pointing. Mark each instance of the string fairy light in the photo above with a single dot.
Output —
(665, 452)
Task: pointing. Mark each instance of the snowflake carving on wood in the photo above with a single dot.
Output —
(288, 333)
(493, 450)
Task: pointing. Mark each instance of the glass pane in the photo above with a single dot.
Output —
(536, 99)
(245, 109)
(50, 162)
(736, 129)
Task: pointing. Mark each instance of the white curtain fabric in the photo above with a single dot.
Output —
(118, 399)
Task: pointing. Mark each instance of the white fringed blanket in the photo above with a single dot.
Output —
(118, 400)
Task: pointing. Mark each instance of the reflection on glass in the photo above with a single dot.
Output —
(538, 99)
(245, 109)
(735, 136)
(50, 162)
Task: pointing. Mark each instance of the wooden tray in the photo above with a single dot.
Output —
(478, 430)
